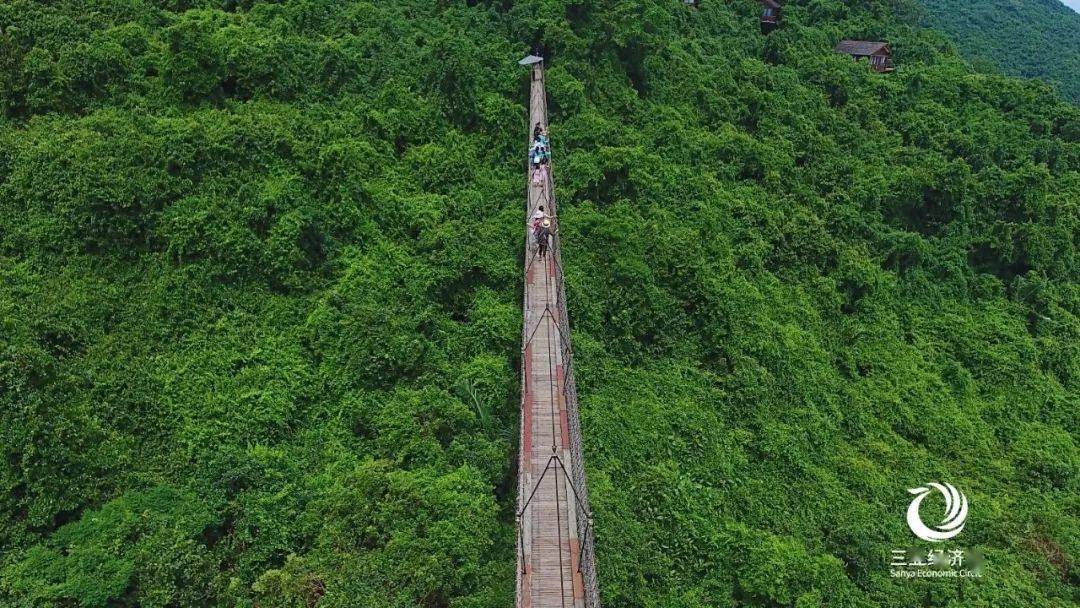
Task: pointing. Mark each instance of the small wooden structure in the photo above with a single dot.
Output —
(770, 15)
(879, 53)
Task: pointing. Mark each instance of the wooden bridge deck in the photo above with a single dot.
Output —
(548, 573)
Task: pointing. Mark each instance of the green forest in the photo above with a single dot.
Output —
(261, 288)
(1030, 38)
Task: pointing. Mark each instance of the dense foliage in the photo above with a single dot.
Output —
(249, 354)
(1030, 38)
(801, 288)
(261, 283)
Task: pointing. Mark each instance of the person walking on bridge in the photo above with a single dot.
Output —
(538, 217)
(539, 176)
(546, 232)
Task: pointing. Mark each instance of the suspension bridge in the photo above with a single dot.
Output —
(556, 565)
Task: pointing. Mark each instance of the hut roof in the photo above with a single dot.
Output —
(862, 47)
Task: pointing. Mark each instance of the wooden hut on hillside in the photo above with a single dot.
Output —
(770, 15)
(878, 53)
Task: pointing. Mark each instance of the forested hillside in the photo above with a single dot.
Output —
(259, 305)
(260, 302)
(1030, 38)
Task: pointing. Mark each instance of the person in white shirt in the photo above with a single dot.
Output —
(538, 216)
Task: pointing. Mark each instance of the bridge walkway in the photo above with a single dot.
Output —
(556, 568)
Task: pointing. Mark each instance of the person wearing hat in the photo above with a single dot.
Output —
(538, 216)
(547, 229)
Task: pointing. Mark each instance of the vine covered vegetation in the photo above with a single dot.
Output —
(259, 307)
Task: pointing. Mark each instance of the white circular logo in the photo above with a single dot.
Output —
(956, 510)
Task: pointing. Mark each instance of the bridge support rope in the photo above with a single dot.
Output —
(556, 560)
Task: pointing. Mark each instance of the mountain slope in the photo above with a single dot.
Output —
(261, 282)
(1029, 38)
(799, 289)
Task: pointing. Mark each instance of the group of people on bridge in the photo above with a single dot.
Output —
(542, 222)
(540, 154)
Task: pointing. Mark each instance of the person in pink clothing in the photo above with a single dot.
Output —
(539, 176)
